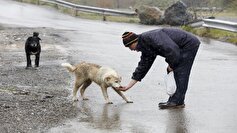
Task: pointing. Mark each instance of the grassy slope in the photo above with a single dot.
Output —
(203, 32)
(221, 35)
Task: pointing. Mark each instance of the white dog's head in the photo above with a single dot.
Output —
(113, 81)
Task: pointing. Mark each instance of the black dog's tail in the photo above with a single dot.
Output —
(69, 67)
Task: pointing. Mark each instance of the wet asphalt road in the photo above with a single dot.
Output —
(210, 101)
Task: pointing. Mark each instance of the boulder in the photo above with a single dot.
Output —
(177, 14)
(150, 15)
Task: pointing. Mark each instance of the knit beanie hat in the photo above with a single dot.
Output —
(129, 38)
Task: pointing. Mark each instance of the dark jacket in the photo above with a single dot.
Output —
(168, 43)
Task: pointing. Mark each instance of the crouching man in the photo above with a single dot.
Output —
(179, 49)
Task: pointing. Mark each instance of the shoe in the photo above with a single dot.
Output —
(171, 105)
(162, 103)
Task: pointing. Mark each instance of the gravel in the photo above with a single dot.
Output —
(33, 100)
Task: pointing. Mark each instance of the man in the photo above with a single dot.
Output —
(179, 49)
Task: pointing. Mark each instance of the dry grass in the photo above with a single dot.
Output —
(221, 35)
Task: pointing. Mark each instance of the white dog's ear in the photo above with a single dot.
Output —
(107, 79)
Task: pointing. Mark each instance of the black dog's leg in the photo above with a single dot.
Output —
(28, 60)
(37, 57)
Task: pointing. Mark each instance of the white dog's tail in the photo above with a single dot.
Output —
(69, 67)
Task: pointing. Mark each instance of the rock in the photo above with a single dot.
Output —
(177, 14)
(5, 106)
(150, 15)
(47, 96)
(20, 92)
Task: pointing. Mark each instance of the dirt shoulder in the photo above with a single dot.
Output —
(33, 100)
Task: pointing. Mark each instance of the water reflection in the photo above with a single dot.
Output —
(106, 117)
(177, 121)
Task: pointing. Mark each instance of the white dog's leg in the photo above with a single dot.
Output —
(76, 87)
(83, 88)
(105, 94)
(122, 95)
(75, 94)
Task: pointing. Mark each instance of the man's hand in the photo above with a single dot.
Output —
(130, 85)
(122, 88)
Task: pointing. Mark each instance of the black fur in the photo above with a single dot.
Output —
(32, 47)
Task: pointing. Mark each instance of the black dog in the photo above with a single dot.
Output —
(32, 47)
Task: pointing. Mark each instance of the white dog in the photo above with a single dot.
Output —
(103, 76)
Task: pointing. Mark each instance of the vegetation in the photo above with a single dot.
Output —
(221, 35)
(97, 16)
(125, 4)
(230, 7)
(226, 4)
(30, 1)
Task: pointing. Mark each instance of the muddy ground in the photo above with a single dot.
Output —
(32, 100)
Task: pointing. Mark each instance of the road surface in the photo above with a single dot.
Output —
(210, 101)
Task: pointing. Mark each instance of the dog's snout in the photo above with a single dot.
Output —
(33, 44)
(116, 85)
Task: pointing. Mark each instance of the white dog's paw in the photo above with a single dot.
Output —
(109, 102)
(85, 98)
(75, 99)
(129, 101)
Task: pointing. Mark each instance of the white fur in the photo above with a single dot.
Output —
(86, 73)
(105, 72)
(68, 66)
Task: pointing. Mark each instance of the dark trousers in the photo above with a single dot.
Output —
(181, 75)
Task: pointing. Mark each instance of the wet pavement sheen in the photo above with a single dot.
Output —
(210, 101)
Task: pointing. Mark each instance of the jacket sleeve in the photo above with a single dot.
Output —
(143, 67)
(168, 48)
